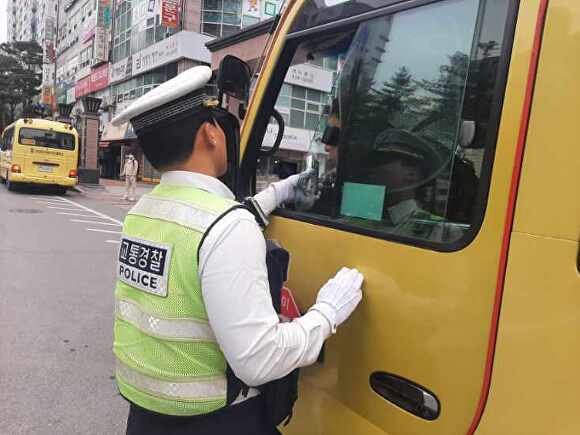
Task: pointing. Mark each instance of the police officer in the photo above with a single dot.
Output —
(192, 293)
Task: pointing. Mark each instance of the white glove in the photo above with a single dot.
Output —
(338, 298)
(286, 189)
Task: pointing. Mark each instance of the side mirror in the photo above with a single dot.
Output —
(233, 78)
(467, 133)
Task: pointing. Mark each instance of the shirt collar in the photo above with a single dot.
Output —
(402, 210)
(199, 181)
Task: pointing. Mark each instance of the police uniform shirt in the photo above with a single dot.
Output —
(235, 289)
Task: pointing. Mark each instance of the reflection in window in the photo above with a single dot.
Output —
(401, 148)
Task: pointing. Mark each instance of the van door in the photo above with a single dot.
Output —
(395, 114)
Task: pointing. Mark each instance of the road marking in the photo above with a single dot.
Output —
(48, 198)
(98, 213)
(76, 214)
(94, 222)
(115, 242)
(104, 231)
(62, 208)
(50, 202)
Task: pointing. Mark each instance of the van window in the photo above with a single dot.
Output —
(7, 139)
(404, 122)
(46, 138)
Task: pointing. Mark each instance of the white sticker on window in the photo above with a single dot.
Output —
(144, 265)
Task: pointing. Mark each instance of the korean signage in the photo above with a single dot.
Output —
(296, 139)
(83, 87)
(310, 77)
(189, 45)
(70, 95)
(47, 95)
(170, 12)
(99, 79)
(121, 70)
(100, 47)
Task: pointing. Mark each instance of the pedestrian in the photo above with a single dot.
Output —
(192, 298)
(130, 170)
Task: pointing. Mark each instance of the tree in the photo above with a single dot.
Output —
(20, 75)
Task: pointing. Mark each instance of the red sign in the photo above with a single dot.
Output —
(170, 12)
(288, 307)
(99, 78)
(83, 87)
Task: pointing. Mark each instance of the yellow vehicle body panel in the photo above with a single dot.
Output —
(427, 315)
(34, 158)
(535, 384)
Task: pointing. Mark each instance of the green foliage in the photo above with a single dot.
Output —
(20, 76)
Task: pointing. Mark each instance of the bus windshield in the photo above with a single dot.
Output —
(46, 138)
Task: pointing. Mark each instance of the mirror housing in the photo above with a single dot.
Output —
(467, 133)
(233, 78)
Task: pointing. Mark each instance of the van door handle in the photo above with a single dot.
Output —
(406, 394)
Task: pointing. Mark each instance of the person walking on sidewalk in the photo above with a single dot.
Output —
(130, 170)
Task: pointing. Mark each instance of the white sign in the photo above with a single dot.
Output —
(70, 95)
(309, 76)
(100, 46)
(296, 139)
(121, 70)
(188, 45)
(251, 8)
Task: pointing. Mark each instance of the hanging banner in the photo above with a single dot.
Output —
(170, 12)
(82, 87)
(151, 6)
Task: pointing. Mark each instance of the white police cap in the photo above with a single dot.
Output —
(175, 97)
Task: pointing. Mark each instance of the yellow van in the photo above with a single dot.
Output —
(450, 178)
(39, 151)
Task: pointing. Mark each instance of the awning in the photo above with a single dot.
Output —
(119, 133)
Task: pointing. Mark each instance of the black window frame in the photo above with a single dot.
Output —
(8, 139)
(249, 164)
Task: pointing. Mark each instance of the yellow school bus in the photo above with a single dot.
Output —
(39, 151)
(453, 187)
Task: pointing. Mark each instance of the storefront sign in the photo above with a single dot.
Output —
(189, 45)
(99, 78)
(121, 70)
(70, 95)
(82, 87)
(170, 12)
(296, 139)
(309, 76)
(47, 95)
(100, 48)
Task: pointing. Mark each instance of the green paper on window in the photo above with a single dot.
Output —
(363, 201)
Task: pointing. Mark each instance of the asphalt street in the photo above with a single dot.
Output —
(57, 259)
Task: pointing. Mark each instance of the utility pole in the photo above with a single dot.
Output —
(56, 53)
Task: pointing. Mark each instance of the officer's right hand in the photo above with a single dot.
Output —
(339, 297)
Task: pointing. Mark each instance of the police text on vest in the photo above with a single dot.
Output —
(144, 265)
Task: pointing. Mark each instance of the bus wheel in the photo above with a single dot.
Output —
(11, 186)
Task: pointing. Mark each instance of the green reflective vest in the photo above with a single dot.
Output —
(168, 360)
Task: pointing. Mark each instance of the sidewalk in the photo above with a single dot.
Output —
(113, 189)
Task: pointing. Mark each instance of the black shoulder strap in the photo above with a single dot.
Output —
(220, 217)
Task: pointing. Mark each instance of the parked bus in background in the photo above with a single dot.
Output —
(38, 151)
(441, 143)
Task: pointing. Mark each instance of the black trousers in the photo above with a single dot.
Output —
(246, 418)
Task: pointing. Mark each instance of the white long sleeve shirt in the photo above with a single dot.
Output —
(234, 283)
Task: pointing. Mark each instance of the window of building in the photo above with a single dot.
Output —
(225, 17)
(398, 161)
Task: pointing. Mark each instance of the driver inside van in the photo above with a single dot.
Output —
(404, 163)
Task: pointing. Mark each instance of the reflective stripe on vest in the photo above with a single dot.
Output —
(168, 359)
(200, 389)
(172, 329)
(175, 211)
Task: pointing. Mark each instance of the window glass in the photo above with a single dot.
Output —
(397, 146)
(46, 138)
